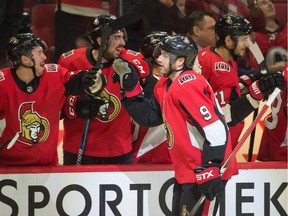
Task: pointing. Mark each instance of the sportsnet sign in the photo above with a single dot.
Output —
(129, 191)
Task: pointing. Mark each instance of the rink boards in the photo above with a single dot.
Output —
(259, 189)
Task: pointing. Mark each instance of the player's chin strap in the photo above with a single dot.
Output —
(32, 68)
(173, 71)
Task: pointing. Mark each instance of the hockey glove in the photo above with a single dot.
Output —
(87, 107)
(247, 80)
(127, 76)
(265, 86)
(93, 81)
(208, 179)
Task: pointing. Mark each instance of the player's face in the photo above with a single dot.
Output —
(242, 44)
(39, 59)
(115, 44)
(163, 61)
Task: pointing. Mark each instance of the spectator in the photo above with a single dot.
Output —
(109, 138)
(32, 95)
(157, 15)
(272, 40)
(273, 146)
(149, 144)
(218, 66)
(197, 135)
(78, 14)
(10, 14)
(202, 28)
(221, 7)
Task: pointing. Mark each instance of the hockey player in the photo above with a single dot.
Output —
(273, 146)
(109, 138)
(197, 135)
(217, 64)
(32, 95)
(149, 144)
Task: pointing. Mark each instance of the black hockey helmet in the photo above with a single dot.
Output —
(233, 25)
(178, 46)
(150, 41)
(22, 44)
(96, 26)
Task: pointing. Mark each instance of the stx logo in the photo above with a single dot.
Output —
(222, 66)
(204, 176)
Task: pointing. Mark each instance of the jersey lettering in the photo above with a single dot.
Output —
(274, 114)
(51, 67)
(222, 66)
(186, 78)
(69, 53)
(2, 76)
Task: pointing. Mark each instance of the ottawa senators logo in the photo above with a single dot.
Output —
(111, 107)
(34, 128)
(169, 134)
(222, 66)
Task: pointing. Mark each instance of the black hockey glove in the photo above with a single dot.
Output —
(248, 79)
(87, 107)
(208, 179)
(265, 86)
(127, 76)
(93, 81)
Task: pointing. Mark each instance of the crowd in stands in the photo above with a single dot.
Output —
(118, 89)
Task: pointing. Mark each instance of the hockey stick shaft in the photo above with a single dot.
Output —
(240, 144)
(83, 142)
(255, 50)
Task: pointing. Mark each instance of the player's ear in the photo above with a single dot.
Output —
(24, 59)
(229, 42)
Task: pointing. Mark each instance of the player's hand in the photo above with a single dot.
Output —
(87, 107)
(127, 76)
(247, 80)
(265, 86)
(93, 81)
(208, 180)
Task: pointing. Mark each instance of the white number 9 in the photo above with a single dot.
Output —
(205, 113)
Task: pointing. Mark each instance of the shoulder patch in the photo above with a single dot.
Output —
(186, 78)
(2, 77)
(67, 54)
(51, 67)
(222, 66)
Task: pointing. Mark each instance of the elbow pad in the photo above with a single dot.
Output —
(240, 109)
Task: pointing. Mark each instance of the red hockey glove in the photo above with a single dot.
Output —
(265, 86)
(142, 66)
(247, 80)
(127, 77)
(93, 81)
(208, 179)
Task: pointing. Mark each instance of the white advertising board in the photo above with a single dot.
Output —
(254, 192)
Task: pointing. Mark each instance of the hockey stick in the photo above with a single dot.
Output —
(240, 144)
(11, 141)
(255, 50)
(118, 23)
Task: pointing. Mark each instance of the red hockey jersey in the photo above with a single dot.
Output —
(191, 125)
(34, 117)
(223, 78)
(109, 134)
(273, 146)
